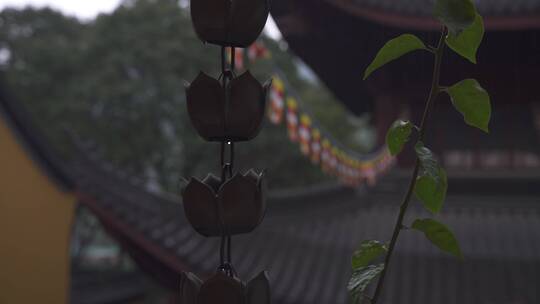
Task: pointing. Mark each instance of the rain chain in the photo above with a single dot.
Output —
(226, 110)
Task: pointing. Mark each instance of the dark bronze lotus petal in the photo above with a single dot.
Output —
(247, 21)
(239, 120)
(210, 18)
(253, 176)
(182, 185)
(221, 289)
(200, 206)
(235, 207)
(235, 23)
(189, 288)
(242, 204)
(247, 104)
(213, 181)
(258, 289)
(205, 103)
(261, 188)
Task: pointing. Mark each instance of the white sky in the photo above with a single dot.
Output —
(84, 9)
(88, 9)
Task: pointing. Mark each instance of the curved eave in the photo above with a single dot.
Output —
(151, 256)
(31, 139)
(338, 44)
(524, 21)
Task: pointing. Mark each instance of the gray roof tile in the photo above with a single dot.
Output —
(307, 247)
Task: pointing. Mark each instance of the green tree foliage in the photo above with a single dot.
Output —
(118, 81)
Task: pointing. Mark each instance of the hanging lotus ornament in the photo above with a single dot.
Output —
(221, 288)
(226, 110)
(235, 207)
(235, 23)
(234, 113)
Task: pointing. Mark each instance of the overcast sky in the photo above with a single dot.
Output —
(88, 9)
(84, 9)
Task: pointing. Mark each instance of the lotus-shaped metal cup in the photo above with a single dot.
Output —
(221, 288)
(215, 119)
(235, 207)
(235, 23)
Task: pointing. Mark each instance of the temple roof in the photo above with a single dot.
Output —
(338, 39)
(501, 14)
(31, 139)
(308, 235)
(424, 7)
(306, 241)
(107, 286)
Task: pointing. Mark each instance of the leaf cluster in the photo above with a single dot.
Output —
(463, 33)
(363, 273)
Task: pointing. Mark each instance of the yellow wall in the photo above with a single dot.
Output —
(35, 226)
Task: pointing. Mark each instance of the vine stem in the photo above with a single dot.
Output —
(435, 90)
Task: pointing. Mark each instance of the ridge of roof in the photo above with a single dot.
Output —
(424, 7)
(416, 14)
(29, 136)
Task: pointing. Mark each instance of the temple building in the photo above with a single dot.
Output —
(338, 39)
(309, 234)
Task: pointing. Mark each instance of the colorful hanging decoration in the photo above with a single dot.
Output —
(258, 51)
(292, 119)
(326, 155)
(351, 168)
(315, 146)
(254, 52)
(277, 102)
(304, 132)
(226, 110)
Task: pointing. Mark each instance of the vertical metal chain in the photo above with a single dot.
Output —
(220, 209)
(223, 62)
(231, 161)
(233, 59)
(224, 79)
(227, 168)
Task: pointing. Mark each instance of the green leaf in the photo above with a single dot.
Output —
(368, 251)
(432, 191)
(394, 49)
(360, 280)
(432, 183)
(467, 42)
(456, 15)
(439, 235)
(473, 102)
(398, 135)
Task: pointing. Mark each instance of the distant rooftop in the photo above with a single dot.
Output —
(308, 236)
(424, 7)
